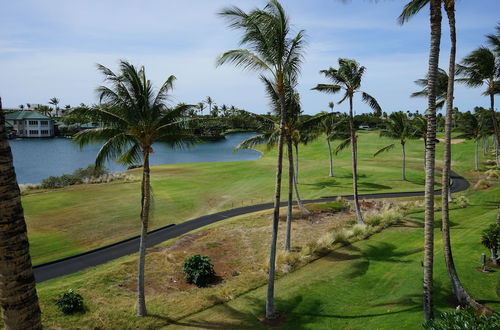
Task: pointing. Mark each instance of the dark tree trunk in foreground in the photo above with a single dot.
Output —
(18, 298)
(288, 234)
(146, 202)
(459, 291)
(435, 21)
(270, 309)
(354, 163)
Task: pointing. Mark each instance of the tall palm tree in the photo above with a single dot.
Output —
(474, 127)
(409, 11)
(398, 127)
(209, 101)
(494, 40)
(18, 298)
(134, 117)
(272, 52)
(55, 102)
(201, 107)
(482, 67)
(348, 78)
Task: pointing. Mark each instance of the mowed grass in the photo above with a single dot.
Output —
(74, 219)
(373, 284)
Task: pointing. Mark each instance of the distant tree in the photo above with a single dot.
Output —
(55, 102)
(473, 127)
(215, 111)
(348, 78)
(209, 101)
(201, 107)
(134, 118)
(28, 105)
(441, 88)
(490, 239)
(398, 127)
(21, 106)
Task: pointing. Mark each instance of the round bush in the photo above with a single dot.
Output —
(70, 302)
(199, 270)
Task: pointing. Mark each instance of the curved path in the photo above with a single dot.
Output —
(107, 253)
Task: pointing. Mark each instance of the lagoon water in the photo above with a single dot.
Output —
(37, 159)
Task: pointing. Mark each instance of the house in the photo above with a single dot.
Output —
(30, 124)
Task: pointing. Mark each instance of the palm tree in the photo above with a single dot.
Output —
(494, 40)
(482, 67)
(18, 298)
(348, 78)
(55, 102)
(473, 127)
(398, 127)
(21, 106)
(201, 107)
(441, 88)
(28, 105)
(134, 118)
(327, 126)
(273, 53)
(209, 101)
(215, 110)
(409, 11)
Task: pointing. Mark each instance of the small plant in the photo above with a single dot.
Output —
(199, 270)
(465, 319)
(70, 302)
(462, 202)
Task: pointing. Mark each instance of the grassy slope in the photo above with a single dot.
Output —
(374, 284)
(64, 222)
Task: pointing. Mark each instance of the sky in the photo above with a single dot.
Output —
(50, 49)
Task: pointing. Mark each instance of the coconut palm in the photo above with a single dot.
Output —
(441, 88)
(398, 127)
(272, 52)
(21, 106)
(201, 107)
(209, 101)
(348, 78)
(55, 102)
(409, 11)
(134, 118)
(481, 67)
(474, 127)
(18, 298)
(215, 110)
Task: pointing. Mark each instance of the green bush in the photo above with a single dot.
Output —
(199, 270)
(76, 177)
(465, 319)
(70, 302)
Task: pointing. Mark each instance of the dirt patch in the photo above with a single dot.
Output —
(453, 141)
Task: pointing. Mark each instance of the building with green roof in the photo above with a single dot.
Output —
(30, 124)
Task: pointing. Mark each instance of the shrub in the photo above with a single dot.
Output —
(70, 302)
(464, 319)
(199, 270)
(462, 202)
(481, 185)
(342, 236)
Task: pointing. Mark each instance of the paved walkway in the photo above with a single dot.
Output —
(107, 253)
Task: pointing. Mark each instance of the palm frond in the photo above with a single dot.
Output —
(342, 145)
(411, 9)
(384, 149)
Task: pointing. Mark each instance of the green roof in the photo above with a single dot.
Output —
(20, 115)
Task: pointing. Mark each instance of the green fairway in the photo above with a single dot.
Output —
(74, 219)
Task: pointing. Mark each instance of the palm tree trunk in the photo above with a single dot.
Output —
(494, 260)
(354, 163)
(295, 185)
(435, 21)
(296, 164)
(476, 154)
(404, 161)
(331, 157)
(270, 309)
(494, 119)
(459, 291)
(18, 298)
(145, 202)
(288, 234)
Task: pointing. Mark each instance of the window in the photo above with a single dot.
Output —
(45, 132)
(33, 122)
(33, 132)
(44, 122)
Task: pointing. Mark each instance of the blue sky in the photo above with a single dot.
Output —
(50, 48)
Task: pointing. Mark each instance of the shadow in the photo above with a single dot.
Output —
(369, 186)
(322, 184)
(241, 320)
(420, 182)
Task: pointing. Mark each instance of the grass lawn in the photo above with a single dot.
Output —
(376, 283)
(78, 218)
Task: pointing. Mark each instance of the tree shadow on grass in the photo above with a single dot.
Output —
(370, 186)
(323, 184)
(242, 320)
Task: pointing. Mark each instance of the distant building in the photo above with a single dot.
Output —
(30, 124)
